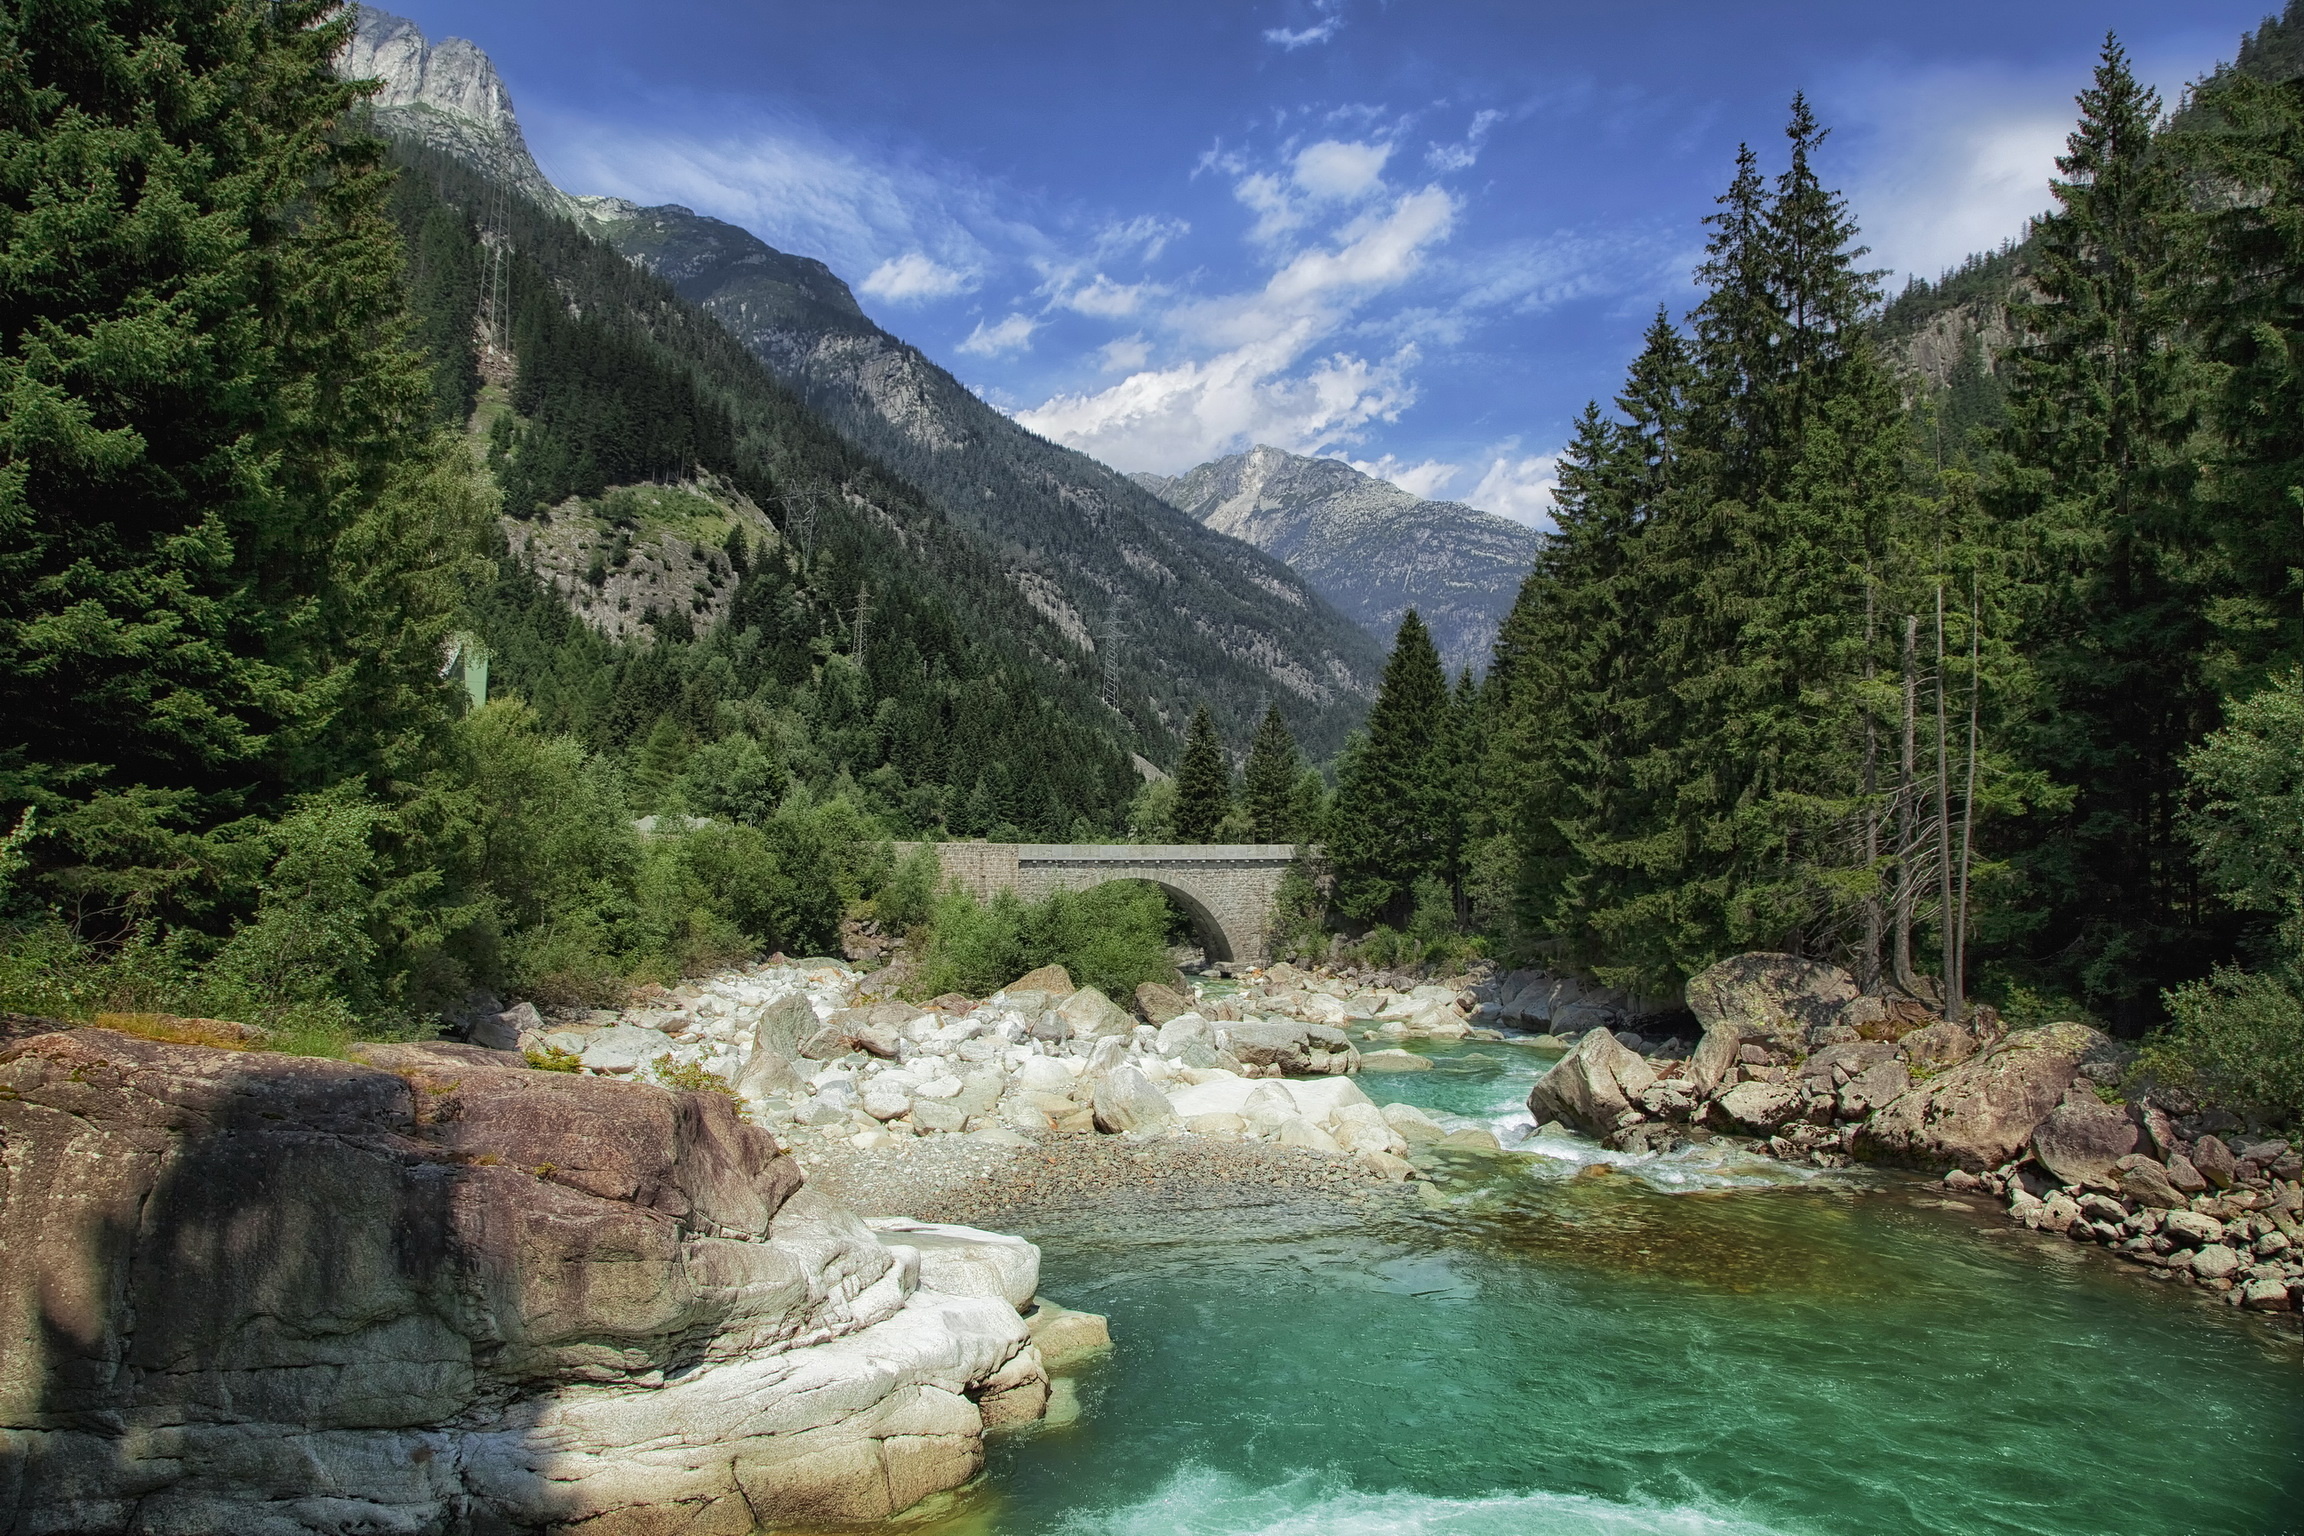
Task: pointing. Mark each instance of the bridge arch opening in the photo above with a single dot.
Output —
(1214, 943)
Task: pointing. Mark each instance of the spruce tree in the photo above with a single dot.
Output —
(1203, 781)
(228, 543)
(2094, 487)
(1388, 823)
(1268, 782)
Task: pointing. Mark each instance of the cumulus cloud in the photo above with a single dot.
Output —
(1105, 298)
(912, 278)
(1124, 354)
(1430, 479)
(1518, 486)
(1334, 168)
(1952, 162)
(1013, 334)
(1266, 374)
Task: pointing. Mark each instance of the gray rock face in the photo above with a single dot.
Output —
(1592, 1087)
(1369, 547)
(2215, 1161)
(625, 1048)
(2145, 1183)
(1780, 999)
(1757, 1108)
(446, 95)
(1091, 1014)
(785, 1025)
(2083, 1137)
(1983, 1112)
(2214, 1261)
(1933, 1047)
(1714, 1057)
(449, 1295)
(1298, 1050)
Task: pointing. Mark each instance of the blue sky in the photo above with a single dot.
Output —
(1415, 235)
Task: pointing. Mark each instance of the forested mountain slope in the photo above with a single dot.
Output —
(724, 652)
(1369, 547)
(1194, 613)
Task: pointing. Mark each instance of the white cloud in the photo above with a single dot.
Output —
(901, 221)
(1013, 334)
(1462, 155)
(1264, 375)
(1333, 168)
(1305, 37)
(1105, 298)
(1952, 162)
(1124, 354)
(912, 278)
(1429, 479)
(1517, 486)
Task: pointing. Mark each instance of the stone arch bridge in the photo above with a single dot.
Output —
(1227, 888)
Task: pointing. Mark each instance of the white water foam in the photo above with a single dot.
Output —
(1199, 1502)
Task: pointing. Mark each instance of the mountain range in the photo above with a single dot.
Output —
(1171, 611)
(1369, 547)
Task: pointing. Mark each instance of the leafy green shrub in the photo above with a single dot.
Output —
(553, 1059)
(2237, 1040)
(1113, 938)
(689, 1075)
(905, 900)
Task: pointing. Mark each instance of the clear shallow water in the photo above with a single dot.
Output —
(1588, 1344)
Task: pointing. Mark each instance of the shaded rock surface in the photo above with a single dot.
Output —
(508, 1298)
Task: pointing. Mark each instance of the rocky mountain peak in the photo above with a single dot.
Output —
(452, 75)
(1369, 547)
(446, 96)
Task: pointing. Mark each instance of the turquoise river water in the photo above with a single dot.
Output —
(1567, 1341)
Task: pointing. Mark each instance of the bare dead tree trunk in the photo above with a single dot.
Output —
(1875, 918)
(1968, 796)
(1944, 917)
(1906, 795)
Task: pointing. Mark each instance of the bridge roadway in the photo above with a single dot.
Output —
(1227, 888)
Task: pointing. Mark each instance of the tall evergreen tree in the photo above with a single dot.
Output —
(1203, 781)
(2094, 484)
(227, 540)
(1268, 782)
(1388, 824)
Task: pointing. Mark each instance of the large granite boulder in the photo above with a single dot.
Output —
(2083, 1137)
(427, 1291)
(1092, 1015)
(1296, 1049)
(1781, 999)
(1593, 1086)
(1982, 1113)
(784, 1026)
(1125, 1100)
(1159, 1004)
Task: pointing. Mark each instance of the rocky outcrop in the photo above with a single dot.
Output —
(1983, 1112)
(436, 1290)
(1781, 999)
(446, 96)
